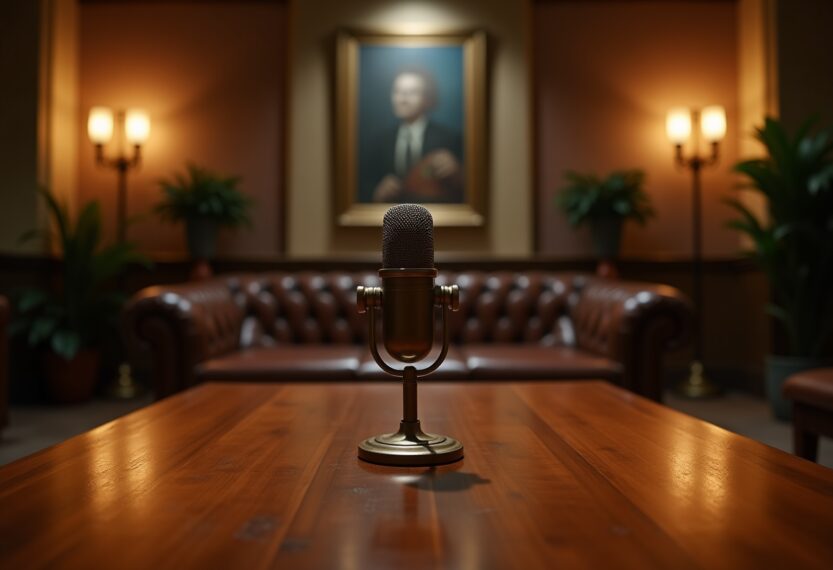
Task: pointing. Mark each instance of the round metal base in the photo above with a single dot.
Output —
(410, 447)
(697, 385)
(125, 387)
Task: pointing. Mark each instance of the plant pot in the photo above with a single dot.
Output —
(201, 236)
(778, 369)
(607, 237)
(72, 381)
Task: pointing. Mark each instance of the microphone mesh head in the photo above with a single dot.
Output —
(408, 237)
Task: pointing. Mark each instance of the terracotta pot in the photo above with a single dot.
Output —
(72, 381)
(607, 269)
(200, 270)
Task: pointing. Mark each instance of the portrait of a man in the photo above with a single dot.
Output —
(410, 113)
(418, 159)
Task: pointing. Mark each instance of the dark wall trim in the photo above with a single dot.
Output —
(27, 269)
(633, 1)
(183, 1)
(10, 261)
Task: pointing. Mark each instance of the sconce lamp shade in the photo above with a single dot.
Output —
(100, 125)
(678, 125)
(713, 123)
(136, 126)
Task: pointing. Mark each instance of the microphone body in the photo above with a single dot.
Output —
(408, 282)
(408, 312)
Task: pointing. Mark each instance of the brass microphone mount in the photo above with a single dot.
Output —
(409, 446)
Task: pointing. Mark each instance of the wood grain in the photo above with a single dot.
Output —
(579, 475)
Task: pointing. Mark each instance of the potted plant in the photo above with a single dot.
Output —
(205, 201)
(793, 244)
(605, 204)
(71, 320)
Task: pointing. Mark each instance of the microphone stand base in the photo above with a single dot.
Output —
(410, 447)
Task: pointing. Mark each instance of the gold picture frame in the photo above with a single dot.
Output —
(461, 58)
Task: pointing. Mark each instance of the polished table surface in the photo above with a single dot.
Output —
(555, 475)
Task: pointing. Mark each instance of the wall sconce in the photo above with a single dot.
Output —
(712, 127)
(135, 125)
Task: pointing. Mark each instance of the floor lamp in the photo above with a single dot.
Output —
(135, 127)
(711, 124)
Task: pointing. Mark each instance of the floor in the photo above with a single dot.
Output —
(32, 428)
(749, 416)
(36, 427)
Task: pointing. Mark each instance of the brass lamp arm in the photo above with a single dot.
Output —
(121, 162)
(696, 162)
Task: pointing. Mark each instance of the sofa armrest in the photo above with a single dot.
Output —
(634, 324)
(183, 325)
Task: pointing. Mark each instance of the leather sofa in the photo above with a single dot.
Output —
(304, 326)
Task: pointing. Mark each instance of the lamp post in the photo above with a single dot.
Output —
(712, 126)
(135, 125)
(135, 130)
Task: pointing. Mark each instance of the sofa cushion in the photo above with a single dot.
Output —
(535, 362)
(284, 363)
(453, 367)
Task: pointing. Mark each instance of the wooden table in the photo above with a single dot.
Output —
(556, 475)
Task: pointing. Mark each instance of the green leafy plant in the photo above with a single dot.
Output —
(587, 197)
(794, 242)
(201, 194)
(80, 310)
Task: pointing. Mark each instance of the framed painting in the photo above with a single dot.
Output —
(411, 126)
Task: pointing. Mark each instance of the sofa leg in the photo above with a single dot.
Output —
(805, 443)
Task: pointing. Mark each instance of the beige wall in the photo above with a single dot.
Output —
(62, 93)
(757, 77)
(606, 73)
(314, 24)
(757, 84)
(210, 76)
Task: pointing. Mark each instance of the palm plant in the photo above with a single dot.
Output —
(794, 242)
(80, 310)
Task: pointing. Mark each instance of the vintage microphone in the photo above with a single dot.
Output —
(407, 298)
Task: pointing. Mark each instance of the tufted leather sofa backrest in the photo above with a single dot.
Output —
(312, 308)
